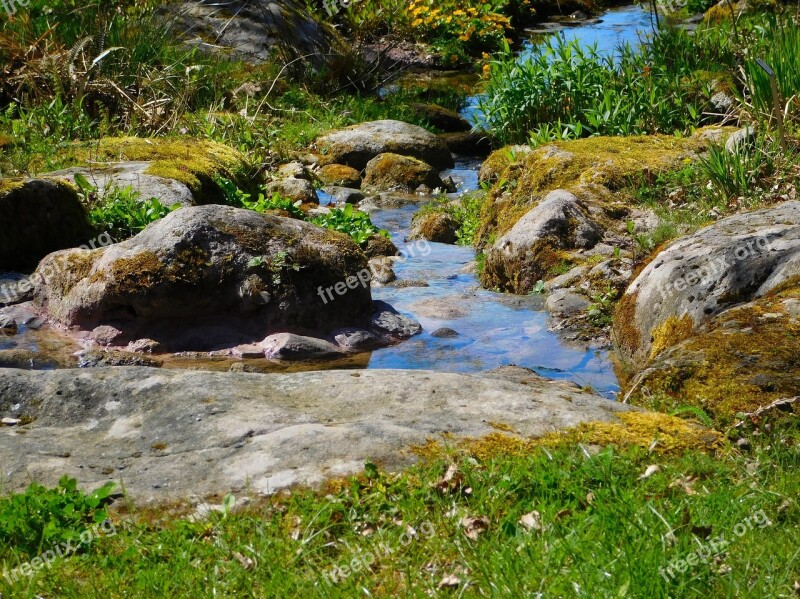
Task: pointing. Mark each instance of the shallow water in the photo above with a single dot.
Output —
(494, 329)
(614, 28)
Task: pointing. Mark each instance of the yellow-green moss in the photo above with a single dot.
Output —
(746, 359)
(133, 275)
(339, 174)
(722, 11)
(9, 185)
(190, 161)
(666, 434)
(596, 164)
(628, 337)
(671, 332)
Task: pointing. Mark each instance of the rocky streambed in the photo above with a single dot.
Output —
(332, 352)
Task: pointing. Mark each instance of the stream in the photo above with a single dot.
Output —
(491, 329)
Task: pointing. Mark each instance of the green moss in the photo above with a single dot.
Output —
(192, 162)
(747, 358)
(665, 434)
(133, 275)
(592, 166)
(671, 332)
(9, 185)
(340, 174)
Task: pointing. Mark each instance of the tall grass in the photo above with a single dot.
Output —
(586, 92)
(782, 55)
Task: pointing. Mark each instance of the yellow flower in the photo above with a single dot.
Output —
(458, 13)
(416, 22)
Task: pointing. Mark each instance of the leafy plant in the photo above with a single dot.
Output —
(350, 221)
(120, 211)
(565, 91)
(601, 311)
(275, 202)
(42, 517)
(275, 265)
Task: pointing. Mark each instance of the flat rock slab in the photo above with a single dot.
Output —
(169, 434)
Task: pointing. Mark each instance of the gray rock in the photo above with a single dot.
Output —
(8, 326)
(566, 303)
(287, 346)
(355, 146)
(438, 227)
(238, 432)
(249, 30)
(379, 246)
(14, 289)
(293, 170)
(344, 195)
(388, 321)
(106, 335)
(382, 271)
(357, 340)
(99, 358)
(730, 262)
(393, 172)
(132, 174)
(445, 333)
(39, 217)
(740, 139)
(559, 221)
(207, 277)
(297, 190)
(568, 279)
(450, 307)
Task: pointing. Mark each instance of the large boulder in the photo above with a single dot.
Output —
(731, 262)
(439, 227)
(38, 217)
(355, 146)
(533, 246)
(393, 172)
(134, 175)
(209, 276)
(173, 170)
(249, 30)
(171, 433)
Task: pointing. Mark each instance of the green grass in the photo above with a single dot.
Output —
(603, 529)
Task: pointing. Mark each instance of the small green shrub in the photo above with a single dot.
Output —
(120, 211)
(351, 222)
(276, 202)
(42, 517)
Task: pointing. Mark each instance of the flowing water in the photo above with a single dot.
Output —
(492, 329)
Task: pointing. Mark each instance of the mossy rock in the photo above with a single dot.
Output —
(393, 172)
(207, 277)
(340, 175)
(730, 262)
(652, 432)
(439, 227)
(603, 164)
(447, 121)
(38, 217)
(743, 360)
(192, 162)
